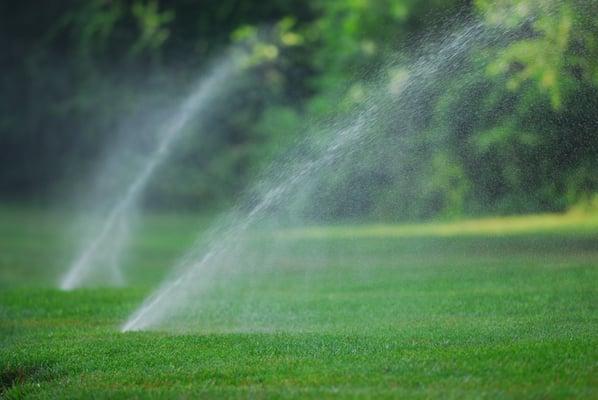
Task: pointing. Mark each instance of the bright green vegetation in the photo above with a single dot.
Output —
(423, 315)
(508, 126)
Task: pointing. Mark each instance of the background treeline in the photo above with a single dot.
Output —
(518, 134)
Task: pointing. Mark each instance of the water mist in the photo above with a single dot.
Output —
(109, 239)
(202, 293)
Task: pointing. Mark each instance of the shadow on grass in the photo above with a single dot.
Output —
(13, 376)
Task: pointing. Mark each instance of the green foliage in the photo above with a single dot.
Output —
(512, 130)
(152, 25)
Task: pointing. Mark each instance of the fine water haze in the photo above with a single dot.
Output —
(99, 260)
(229, 280)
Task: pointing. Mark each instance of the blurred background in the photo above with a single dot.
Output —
(78, 76)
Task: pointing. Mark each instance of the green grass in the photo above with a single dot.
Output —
(464, 310)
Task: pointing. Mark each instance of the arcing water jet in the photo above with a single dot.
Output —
(223, 256)
(110, 237)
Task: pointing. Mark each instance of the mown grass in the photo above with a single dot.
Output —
(347, 312)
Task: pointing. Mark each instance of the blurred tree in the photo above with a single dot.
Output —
(510, 127)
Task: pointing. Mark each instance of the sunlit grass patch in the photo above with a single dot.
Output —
(499, 226)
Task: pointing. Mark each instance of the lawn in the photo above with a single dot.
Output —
(495, 308)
